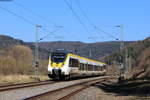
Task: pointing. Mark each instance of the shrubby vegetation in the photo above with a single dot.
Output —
(18, 59)
(139, 55)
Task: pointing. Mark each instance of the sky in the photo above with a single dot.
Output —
(18, 18)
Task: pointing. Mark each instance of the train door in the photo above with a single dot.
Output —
(74, 65)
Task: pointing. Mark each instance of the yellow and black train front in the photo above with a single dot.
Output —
(64, 64)
(56, 67)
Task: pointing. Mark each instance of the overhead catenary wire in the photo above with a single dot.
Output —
(28, 21)
(36, 14)
(71, 3)
(15, 14)
(84, 14)
(49, 33)
(106, 33)
(32, 23)
(39, 16)
(92, 23)
(76, 16)
(87, 18)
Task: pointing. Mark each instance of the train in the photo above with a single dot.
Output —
(64, 64)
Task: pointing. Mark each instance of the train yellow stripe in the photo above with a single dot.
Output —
(60, 65)
(76, 56)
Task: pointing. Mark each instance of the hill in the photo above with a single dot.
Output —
(6, 41)
(136, 57)
(98, 50)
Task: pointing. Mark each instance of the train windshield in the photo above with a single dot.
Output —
(58, 57)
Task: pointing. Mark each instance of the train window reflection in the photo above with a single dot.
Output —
(58, 57)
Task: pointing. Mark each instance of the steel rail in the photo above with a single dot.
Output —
(83, 85)
(24, 85)
(13, 84)
(80, 90)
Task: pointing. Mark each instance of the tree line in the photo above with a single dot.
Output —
(18, 59)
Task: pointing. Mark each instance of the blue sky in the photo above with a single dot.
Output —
(133, 14)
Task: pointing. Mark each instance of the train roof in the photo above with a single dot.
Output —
(86, 59)
(70, 52)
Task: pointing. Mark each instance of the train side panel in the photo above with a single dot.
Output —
(75, 66)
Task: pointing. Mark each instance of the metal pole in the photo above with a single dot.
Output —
(121, 62)
(37, 53)
(121, 51)
(90, 55)
(126, 62)
(122, 35)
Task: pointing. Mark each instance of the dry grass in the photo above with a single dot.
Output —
(20, 78)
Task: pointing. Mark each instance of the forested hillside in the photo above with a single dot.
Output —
(7, 41)
(136, 57)
(98, 49)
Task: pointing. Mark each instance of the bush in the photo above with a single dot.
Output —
(17, 60)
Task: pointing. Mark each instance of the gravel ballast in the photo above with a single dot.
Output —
(19, 94)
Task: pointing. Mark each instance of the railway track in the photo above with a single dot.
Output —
(67, 92)
(8, 87)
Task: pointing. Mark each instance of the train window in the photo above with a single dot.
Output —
(100, 68)
(90, 67)
(81, 66)
(73, 62)
(58, 57)
(104, 67)
(95, 68)
(87, 67)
